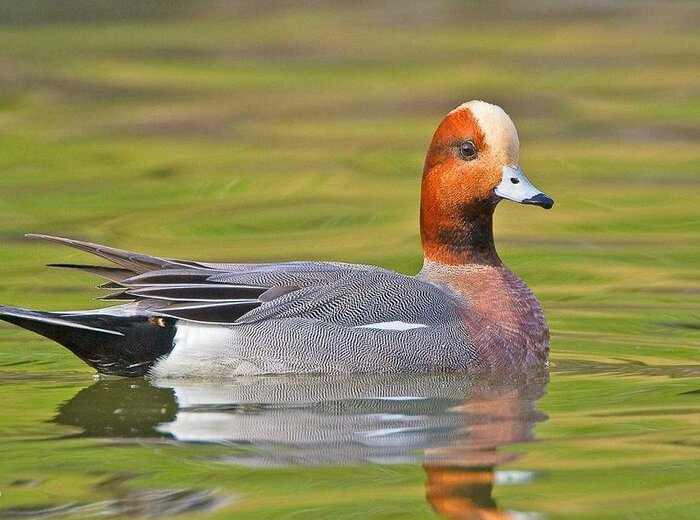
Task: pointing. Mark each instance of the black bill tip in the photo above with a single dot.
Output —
(541, 200)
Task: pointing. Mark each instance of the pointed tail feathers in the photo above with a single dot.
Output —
(113, 274)
(136, 262)
(110, 343)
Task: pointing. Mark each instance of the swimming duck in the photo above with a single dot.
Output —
(463, 312)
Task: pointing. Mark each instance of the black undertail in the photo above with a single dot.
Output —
(117, 345)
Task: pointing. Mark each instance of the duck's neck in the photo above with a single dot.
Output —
(458, 236)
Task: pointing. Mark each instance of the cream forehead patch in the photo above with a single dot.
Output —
(499, 131)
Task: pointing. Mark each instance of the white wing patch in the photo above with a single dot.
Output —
(392, 325)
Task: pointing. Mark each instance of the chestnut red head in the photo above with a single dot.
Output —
(471, 165)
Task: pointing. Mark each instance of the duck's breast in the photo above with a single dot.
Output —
(504, 319)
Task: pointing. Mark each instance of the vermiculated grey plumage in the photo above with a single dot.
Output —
(302, 317)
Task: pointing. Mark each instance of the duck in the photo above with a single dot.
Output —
(464, 311)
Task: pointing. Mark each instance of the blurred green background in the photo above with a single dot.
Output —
(281, 130)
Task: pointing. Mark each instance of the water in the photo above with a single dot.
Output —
(583, 440)
(259, 131)
(387, 437)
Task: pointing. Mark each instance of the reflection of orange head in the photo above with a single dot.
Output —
(462, 493)
(462, 169)
(461, 476)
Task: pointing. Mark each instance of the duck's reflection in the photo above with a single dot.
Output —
(452, 424)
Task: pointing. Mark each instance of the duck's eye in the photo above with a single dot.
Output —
(467, 150)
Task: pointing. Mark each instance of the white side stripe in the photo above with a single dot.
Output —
(392, 325)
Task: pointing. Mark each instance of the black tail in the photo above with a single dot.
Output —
(111, 343)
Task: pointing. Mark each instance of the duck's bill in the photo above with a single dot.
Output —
(515, 186)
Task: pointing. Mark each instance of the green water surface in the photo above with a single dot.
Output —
(267, 130)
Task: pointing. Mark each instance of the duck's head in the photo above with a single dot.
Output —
(472, 164)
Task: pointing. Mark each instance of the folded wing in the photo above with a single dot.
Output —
(198, 291)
